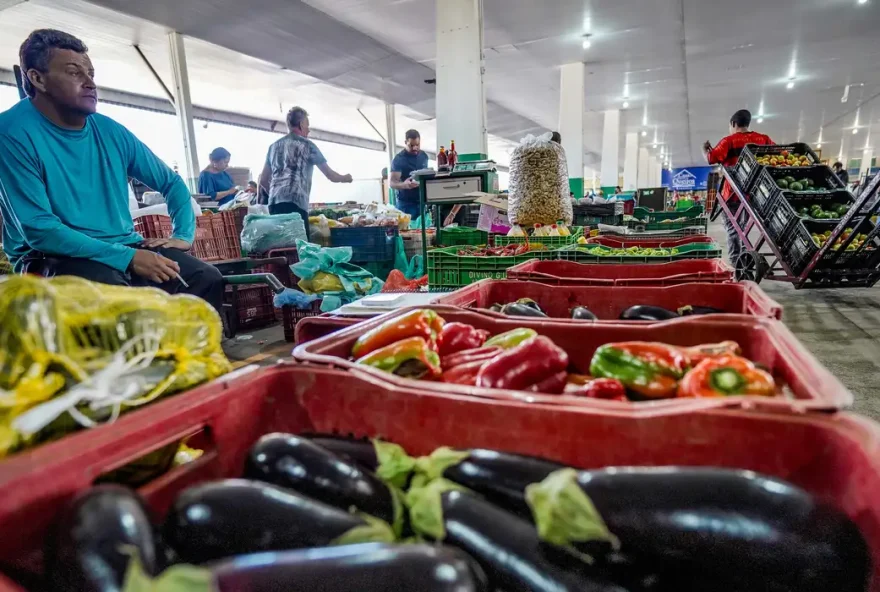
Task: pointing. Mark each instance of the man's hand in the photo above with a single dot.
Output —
(410, 184)
(346, 179)
(168, 243)
(707, 147)
(154, 266)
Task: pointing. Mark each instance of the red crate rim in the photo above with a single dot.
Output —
(823, 390)
(526, 271)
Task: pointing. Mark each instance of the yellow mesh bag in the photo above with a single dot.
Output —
(75, 353)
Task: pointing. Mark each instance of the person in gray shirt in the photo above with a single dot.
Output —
(287, 175)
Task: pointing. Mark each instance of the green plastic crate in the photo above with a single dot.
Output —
(644, 220)
(448, 269)
(460, 235)
(501, 240)
(689, 251)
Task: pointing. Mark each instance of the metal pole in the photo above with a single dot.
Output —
(390, 144)
(183, 106)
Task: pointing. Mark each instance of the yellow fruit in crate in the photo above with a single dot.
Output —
(582, 240)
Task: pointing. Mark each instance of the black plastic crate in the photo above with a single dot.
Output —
(368, 243)
(593, 221)
(798, 247)
(607, 209)
(766, 185)
(747, 168)
(784, 209)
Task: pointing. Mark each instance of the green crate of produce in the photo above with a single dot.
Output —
(602, 254)
(669, 221)
(501, 240)
(447, 269)
(460, 235)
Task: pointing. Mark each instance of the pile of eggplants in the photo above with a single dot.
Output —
(526, 307)
(290, 524)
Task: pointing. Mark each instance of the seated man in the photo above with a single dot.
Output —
(64, 173)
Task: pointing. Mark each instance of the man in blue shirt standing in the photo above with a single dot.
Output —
(64, 173)
(408, 160)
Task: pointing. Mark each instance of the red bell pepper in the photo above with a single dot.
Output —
(456, 337)
(552, 385)
(607, 389)
(463, 373)
(418, 323)
(487, 352)
(651, 370)
(525, 365)
(698, 353)
(726, 376)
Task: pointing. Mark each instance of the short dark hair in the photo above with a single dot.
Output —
(556, 137)
(252, 183)
(218, 154)
(36, 52)
(296, 116)
(838, 164)
(413, 135)
(742, 118)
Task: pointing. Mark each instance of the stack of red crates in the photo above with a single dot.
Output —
(218, 236)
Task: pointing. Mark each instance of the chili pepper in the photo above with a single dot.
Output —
(456, 337)
(552, 385)
(527, 364)
(463, 373)
(418, 323)
(650, 369)
(725, 376)
(608, 389)
(578, 380)
(698, 353)
(487, 352)
(410, 357)
(511, 338)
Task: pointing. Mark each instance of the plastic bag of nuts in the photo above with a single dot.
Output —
(538, 183)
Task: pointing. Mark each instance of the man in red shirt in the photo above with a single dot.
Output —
(726, 153)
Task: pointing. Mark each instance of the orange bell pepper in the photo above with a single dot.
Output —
(726, 376)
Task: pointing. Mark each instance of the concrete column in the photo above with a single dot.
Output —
(610, 149)
(867, 155)
(390, 145)
(183, 106)
(571, 123)
(631, 162)
(644, 172)
(461, 98)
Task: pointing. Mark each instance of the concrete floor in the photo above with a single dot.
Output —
(840, 327)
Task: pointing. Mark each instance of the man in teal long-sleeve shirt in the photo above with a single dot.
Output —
(64, 171)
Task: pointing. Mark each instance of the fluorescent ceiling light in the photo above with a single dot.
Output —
(626, 104)
(587, 44)
(760, 120)
(644, 133)
(790, 85)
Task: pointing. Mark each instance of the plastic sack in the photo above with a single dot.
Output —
(317, 263)
(295, 298)
(75, 353)
(152, 198)
(264, 233)
(539, 191)
(419, 222)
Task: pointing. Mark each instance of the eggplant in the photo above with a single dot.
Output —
(237, 517)
(303, 466)
(643, 312)
(360, 451)
(530, 303)
(369, 567)
(726, 525)
(582, 313)
(92, 542)
(509, 550)
(515, 309)
(691, 310)
(496, 307)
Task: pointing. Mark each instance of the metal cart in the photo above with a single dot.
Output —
(763, 257)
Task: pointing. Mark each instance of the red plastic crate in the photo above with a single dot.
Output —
(570, 273)
(291, 317)
(834, 457)
(217, 235)
(764, 341)
(282, 272)
(608, 302)
(253, 305)
(312, 328)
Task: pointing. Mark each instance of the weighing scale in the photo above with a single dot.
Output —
(451, 187)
